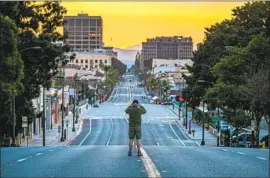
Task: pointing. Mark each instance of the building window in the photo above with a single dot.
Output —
(96, 66)
(85, 22)
(77, 61)
(96, 61)
(78, 22)
(81, 61)
(92, 22)
(105, 61)
(86, 61)
(86, 66)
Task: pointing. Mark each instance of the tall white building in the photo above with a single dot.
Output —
(92, 60)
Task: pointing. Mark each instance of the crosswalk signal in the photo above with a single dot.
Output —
(180, 99)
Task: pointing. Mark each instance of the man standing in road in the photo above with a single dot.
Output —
(135, 111)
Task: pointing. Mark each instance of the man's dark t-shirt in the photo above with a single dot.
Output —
(135, 112)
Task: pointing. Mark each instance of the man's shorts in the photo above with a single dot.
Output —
(135, 131)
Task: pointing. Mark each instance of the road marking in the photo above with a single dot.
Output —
(197, 143)
(39, 154)
(90, 125)
(149, 165)
(261, 158)
(224, 150)
(152, 132)
(176, 135)
(241, 153)
(110, 133)
(51, 150)
(23, 159)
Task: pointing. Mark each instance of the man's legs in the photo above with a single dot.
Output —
(131, 140)
(131, 144)
(139, 145)
(138, 138)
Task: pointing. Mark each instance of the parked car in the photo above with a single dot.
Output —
(95, 105)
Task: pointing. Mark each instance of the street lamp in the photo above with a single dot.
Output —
(203, 141)
(62, 105)
(14, 101)
(74, 106)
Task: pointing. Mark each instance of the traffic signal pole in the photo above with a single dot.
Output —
(186, 115)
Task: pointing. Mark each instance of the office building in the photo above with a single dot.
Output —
(176, 47)
(84, 32)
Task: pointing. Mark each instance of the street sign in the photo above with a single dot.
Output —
(46, 99)
(217, 118)
(24, 121)
(55, 100)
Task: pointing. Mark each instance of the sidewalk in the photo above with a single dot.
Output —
(52, 137)
(210, 139)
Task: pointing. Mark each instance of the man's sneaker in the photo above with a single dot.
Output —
(140, 154)
(130, 153)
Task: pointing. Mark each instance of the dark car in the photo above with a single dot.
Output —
(95, 105)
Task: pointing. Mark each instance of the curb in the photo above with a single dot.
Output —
(172, 111)
(76, 134)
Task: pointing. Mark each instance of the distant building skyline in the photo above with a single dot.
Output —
(127, 24)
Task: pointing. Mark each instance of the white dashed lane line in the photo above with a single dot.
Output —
(261, 158)
(39, 154)
(23, 159)
(241, 153)
(50, 150)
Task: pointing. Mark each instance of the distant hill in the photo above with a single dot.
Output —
(127, 55)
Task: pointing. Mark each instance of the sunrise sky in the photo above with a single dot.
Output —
(130, 23)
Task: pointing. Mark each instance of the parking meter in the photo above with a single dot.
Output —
(59, 128)
(193, 132)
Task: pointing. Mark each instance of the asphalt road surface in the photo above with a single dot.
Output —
(101, 148)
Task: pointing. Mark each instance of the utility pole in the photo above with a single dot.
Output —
(62, 108)
(203, 142)
(74, 111)
(14, 123)
(186, 114)
(44, 117)
(218, 129)
(179, 111)
(51, 111)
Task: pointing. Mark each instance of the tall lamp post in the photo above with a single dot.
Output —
(203, 142)
(14, 101)
(74, 106)
(203, 129)
(62, 105)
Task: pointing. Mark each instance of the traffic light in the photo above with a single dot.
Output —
(180, 99)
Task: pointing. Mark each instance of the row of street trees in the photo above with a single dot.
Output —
(155, 85)
(28, 57)
(232, 67)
